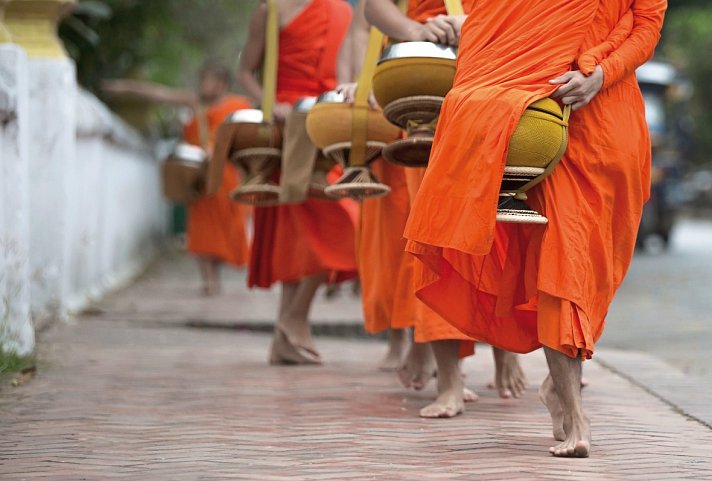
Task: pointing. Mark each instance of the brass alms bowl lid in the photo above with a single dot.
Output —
(331, 97)
(245, 116)
(305, 104)
(418, 50)
(189, 153)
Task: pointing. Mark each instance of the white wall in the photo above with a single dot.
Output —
(16, 332)
(80, 204)
(116, 218)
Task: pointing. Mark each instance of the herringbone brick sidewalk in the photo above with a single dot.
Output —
(114, 400)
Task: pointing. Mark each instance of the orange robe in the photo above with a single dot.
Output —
(520, 287)
(216, 225)
(294, 241)
(386, 271)
(386, 284)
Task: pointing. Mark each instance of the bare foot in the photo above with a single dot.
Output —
(397, 341)
(565, 374)
(448, 405)
(509, 380)
(419, 366)
(469, 396)
(548, 396)
(285, 350)
(577, 443)
(451, 390)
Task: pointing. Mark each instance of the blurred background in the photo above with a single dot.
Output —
(166, 41)
(82, 179)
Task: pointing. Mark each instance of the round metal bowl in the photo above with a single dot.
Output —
(304, 104)
(245, 116)
(331, 96)
(189, 153)
(414, 69)
(418, 50)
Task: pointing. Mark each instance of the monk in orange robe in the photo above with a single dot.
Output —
(523, 287)
(300, 245)
(382, 224)
(216, 226)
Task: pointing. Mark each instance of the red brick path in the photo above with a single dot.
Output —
(120, 401)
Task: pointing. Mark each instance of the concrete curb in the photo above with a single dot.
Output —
(689, 395)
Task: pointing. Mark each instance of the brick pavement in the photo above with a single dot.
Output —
(117, 400)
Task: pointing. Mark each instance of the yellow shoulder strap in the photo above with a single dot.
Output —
(454, 7)
(269, 71)
(359, 126)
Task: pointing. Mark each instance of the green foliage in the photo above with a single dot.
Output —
(160, 40)
(688, 44)
(163, 41)
(10, 362)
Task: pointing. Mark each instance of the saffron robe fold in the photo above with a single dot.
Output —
(295, 241)
(216, 225)
(386, 270)
(520, 287)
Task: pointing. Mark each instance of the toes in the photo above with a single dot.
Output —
(404, 377)
(505, 393)
(469, 396)
(567, 450)
(433, 412)
(439, 412)
(581, 449)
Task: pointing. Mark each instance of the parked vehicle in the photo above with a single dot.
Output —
(660, 83)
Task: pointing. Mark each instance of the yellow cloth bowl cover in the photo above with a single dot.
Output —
(332, 123)
(540, 137)
(409, 77)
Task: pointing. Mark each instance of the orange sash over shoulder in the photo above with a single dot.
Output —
(315, 237)
(520, 287)
(216, 225)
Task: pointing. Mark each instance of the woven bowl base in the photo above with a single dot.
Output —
(515, 211)
(421, 109)
(258, 195)
(410, 152)
(357, 190)
(509, 216)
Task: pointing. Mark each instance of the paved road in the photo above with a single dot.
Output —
(665, 304)
(121, 400)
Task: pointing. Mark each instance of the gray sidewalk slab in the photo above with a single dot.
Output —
(121, 400)
(169, 293)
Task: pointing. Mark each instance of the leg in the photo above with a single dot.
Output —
(216, 268)
(510, 380)
(205, 265)
(397, 341)
(566, 379)
(418, 367)
(450, 401)
(285, 346)
(469, 395)
(548, 396)
(298, 314)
